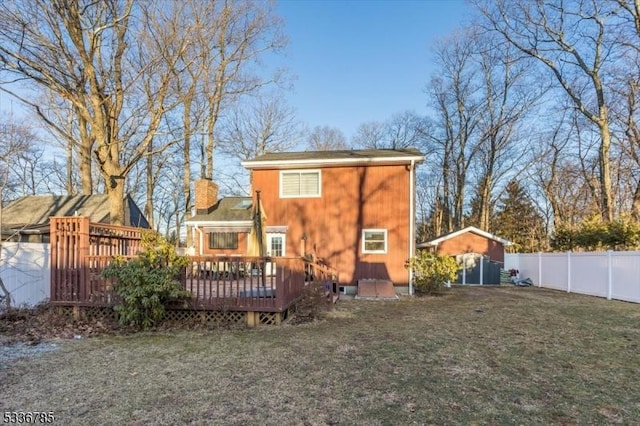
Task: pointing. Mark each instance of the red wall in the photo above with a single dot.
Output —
(472, 243)
(352, 198)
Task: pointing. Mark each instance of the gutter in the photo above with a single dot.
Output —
(268, 164)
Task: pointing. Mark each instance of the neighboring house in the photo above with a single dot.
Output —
(352, 209)
(27, 218)
(468, 240)
(221, 226)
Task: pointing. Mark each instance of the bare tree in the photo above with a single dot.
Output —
(403, 130)
(240, 33)
(370, 135)
(507, 96)
(15, 141)
(573, 42)
(83, 53)
(257, 126)
(454, 93)
(326, 138)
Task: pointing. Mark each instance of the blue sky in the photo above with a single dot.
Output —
(359, 61)
(355, 61)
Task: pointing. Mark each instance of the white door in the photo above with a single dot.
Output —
(276, 247)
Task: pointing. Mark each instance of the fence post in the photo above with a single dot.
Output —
(481, 270)
(539, 269)
(609, 275)
(568, 272)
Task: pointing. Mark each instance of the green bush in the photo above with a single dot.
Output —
(147, 283)
(593, 234)
(432, 271)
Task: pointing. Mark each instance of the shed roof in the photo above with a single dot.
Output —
(335, 158)
(472, 229)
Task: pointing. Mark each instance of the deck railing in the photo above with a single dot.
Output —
(80, 251)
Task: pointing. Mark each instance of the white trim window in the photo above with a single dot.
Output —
(374, 241)
(300, 184)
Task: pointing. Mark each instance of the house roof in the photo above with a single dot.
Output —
(334, 158)
(472, 229)
(228, 209)
(34, 211)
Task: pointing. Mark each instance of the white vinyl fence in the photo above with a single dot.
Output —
(611, 274)
(25, 271)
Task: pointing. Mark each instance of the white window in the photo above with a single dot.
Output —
(300, 183)
(374, 240)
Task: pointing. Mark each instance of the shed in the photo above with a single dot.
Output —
(468, 240)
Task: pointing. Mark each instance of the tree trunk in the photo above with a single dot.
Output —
(148, 207)
(635, 207)
(606, 204)
(115, 192)
(186, 174)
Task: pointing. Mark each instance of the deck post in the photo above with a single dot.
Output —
(252, 318)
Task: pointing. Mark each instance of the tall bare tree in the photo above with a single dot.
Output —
(573, 42)
(240, 33)
(259, 125)
(326, 138)
(84, 52)
(403, 130)
(454, 93)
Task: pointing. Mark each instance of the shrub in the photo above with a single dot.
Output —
(147, 283)
(594, 234)
(313, 304)
(431, 271)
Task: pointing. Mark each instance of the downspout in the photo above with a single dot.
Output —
(412, 237)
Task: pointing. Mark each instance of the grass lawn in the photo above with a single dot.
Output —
(475, 356)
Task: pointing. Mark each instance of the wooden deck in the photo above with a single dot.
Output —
(80, 251)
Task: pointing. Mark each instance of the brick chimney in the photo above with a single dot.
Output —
(206, 195)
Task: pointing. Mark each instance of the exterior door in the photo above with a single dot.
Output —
(276, 247)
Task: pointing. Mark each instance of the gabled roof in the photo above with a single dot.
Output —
(334, 158)
(34, 211)
(471, 229)
(228, 209)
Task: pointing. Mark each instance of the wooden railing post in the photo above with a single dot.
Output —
(53, 262)
(83, 251)
(282, 272)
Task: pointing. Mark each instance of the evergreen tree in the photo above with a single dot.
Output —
(518, 220)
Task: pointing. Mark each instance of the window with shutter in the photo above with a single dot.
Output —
(300, 184)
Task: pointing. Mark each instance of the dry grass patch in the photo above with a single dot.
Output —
(477, 355)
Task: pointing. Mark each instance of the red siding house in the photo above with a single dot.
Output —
(352, 209)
